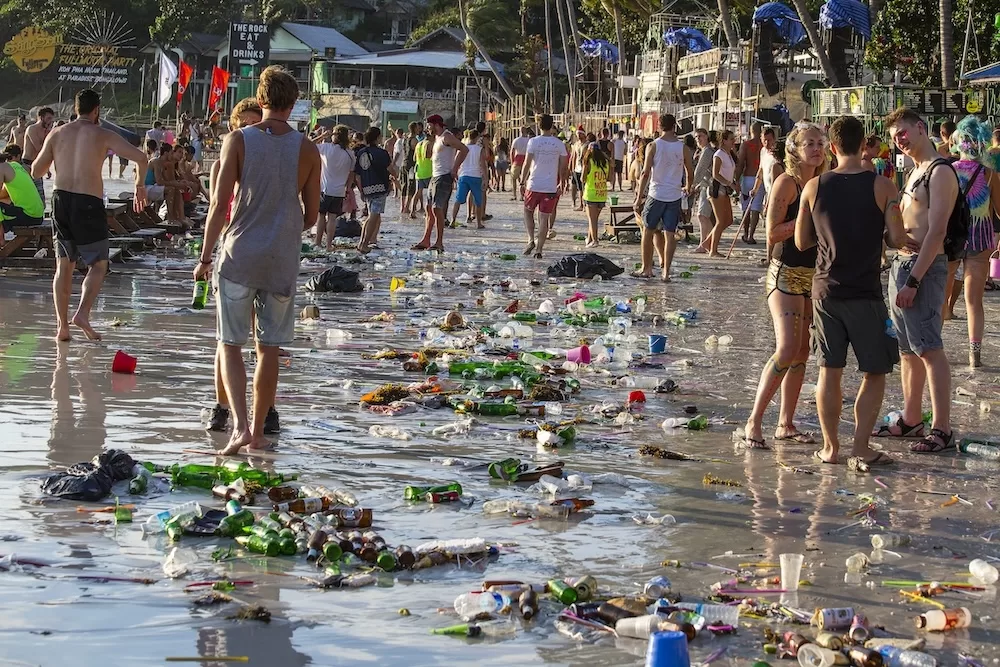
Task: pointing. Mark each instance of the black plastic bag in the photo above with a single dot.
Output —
(347, 228)
(90, 480)
(335, 280)
(585, 265)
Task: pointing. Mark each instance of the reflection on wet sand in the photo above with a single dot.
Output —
(77, 432)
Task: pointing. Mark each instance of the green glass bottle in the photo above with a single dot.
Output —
(415, 492)
(200, 296)
(525, 317)
(561, 591)
(387, 561)
(261, 531)
(568, 434)
(234, 524)
(197, 480)
(699, 423)
(287, 546)
(444, 488)
(332, 551)
(504, 469)
(196, 469)
(259, 545)
(595, 302)
(508, 257)
(271, 524)
(495, 409)
(155, 467)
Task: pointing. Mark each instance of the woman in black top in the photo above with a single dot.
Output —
(789, 281)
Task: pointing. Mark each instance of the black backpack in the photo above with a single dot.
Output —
(957, 234)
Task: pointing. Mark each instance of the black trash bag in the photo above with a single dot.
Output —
(92, 480)
(336, 279)
(585, 265)
(347, 228)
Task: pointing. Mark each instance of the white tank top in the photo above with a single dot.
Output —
(471, 165)
(443, 157)
(668, 171)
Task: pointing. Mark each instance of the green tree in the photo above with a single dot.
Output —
(906, 35)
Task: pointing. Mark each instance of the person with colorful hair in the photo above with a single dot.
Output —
(981, 187)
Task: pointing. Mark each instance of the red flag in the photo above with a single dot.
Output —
(183, 79)
(220, 84)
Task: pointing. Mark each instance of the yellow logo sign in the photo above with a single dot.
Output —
(32, 49)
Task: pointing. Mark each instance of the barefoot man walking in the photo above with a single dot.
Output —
(79, 222)
(259, 257)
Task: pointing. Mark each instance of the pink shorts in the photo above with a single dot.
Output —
(545, 202)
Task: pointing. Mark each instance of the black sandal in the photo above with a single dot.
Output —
(905, 430)
(938, 441)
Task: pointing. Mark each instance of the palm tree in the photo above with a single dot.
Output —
(613, 7)
(726, 15)
(482, 52)
(817, 44)
(947, 44)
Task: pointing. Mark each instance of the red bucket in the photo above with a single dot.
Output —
(123, 363)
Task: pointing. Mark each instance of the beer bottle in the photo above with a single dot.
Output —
(198, 480)
(528, 604)
(233, 525)
(287, 546)
(442, 497)
(332, 551)
(279, 494)
(864, 657)
(430, 560)
(263, 532)
(227, 492)
(357, 541)
(415, 492)
(200, 296)
(387, 561)
(405, 557)
(304, 505)
(233, 507)
(316, 542)
(259, 545)
(346, 546)
(668, 625)
(561, 591)
(352, 517)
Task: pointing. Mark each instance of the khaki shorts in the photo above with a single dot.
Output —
(236, 306)
(515, 173)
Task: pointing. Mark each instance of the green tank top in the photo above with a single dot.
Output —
(596, 187)
(425, 169)
(23, 192)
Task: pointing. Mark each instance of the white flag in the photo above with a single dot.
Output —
(168, 76)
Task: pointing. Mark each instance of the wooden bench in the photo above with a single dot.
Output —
(20, 251)
(622, 220)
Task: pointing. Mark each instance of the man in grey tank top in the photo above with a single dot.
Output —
(258, 261)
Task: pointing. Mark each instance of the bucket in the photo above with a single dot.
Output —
(614, 200)
(995, 265)
(657, 343)
(123, 363)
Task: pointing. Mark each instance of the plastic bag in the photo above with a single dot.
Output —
(336, 279)
(585, 265)
(92, 480)
(347, 228)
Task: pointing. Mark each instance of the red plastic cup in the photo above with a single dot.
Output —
(636, 397)
(123, 363)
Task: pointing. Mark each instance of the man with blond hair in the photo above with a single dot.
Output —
(265, 230)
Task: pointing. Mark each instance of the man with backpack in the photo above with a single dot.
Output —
(936, 218)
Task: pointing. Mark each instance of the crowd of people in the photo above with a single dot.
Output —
(826, 196)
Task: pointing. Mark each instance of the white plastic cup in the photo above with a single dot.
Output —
(791, 569)
(639, 627)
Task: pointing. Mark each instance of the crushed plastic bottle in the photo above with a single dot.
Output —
(653, 520)
(472, 605)
(391, 432)
(984, 571)
(178, 562)
(158, 522)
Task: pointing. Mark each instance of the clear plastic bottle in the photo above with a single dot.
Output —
(857, 563)
(471, 605)
(158, 522)
(889, 540)
(981, 450)
(714, 613)
(894, 656)
(811, 655)
(984, 571)
(504, 506)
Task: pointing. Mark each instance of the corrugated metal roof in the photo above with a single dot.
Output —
(319, 39)
(452, 60)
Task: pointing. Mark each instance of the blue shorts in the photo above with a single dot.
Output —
(467, 185)
(376, 204)
(661, 215)
(746, 185)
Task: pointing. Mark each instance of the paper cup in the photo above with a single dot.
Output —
(580, 355)
(791, 569)
(995, 265)
(639, 627)
(123, 363)
(667, 649)
(657, 343)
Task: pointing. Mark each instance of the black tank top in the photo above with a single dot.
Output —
(849, 230)
(786, 251)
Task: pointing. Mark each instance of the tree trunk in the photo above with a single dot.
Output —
(620, 43)
(570, 69)
(726, 14)
(482, 52)
(548, 50)
(947, 44)
(817, 44)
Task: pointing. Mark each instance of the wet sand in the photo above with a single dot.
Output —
(60, 404)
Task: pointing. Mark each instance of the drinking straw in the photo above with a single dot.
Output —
(714, 656)
(902, 582)
(920, 598)
(757, 591)
(759, 565)
(879, 481)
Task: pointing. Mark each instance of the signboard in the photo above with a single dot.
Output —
(93, 64)
(399, 106)
(249, 43)
(301, 112)
(32, 50)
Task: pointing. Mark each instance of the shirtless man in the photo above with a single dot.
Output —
(447, 155)
(80, 225)
(17, 130)
(917, 285)
(944, 145)
(34, 138)
(165, 186)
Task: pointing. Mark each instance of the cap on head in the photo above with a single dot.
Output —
(435, 119)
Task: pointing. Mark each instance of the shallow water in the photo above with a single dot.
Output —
(60, 404)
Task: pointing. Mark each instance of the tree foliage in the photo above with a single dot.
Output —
(493, 22)
(906, 35)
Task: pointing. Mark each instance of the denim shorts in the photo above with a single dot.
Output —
(376, 204)
(661, 215)
(919, 326)
(236, 306)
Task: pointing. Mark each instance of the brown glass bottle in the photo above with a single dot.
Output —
(316, 542)
(405, 557)
(864, 657)
(280, 494)
(352, 517)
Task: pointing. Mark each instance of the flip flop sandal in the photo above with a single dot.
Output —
(641, 276)
(818, 455)
(420, 247)
(746, 442)
(800, 437)
(905, 430)
(938, 441)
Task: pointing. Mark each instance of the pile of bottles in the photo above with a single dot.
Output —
(205, 476)
(440, 493)
(827, 649)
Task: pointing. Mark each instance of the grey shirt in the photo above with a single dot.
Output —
(703, 170)
(261, 245)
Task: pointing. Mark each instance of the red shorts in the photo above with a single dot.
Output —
(519, 159)
(545, 202)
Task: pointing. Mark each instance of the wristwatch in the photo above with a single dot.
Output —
(912, 282)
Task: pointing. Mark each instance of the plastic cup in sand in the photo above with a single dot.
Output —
(667, 649)
(579, 355)
(791, 569)
(123, 363)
